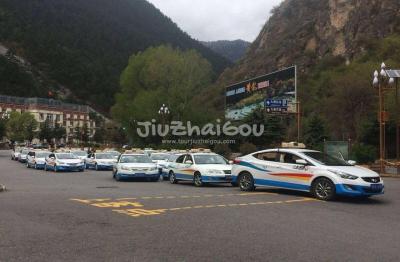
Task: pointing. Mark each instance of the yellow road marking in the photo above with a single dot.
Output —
(117, 204)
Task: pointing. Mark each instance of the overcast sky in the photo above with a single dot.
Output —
(210, 20)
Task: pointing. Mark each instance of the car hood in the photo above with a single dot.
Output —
(107, 160)
(70, 161)
(354, 170)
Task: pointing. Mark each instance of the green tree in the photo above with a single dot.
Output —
(21, 127)
(315, 133)
(162, 75)
(46, 132)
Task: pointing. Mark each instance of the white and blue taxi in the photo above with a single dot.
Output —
(37, 159)
(323, 175)
(161, 159)
(23, 155)
(135, 165)
(64, 162)
(100, 161)
(79, 154)
(200, 168)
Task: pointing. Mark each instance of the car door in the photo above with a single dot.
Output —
(90, 159)
(51, 160)
(178, 166)
(293, 175)
(265, 165)
(187, 167)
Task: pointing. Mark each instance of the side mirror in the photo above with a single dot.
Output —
(189, 162)
(352, 162)
(301, 162)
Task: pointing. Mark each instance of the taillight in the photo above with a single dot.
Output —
(236, 161)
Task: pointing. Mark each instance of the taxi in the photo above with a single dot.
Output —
(23, 155)
(166, 167)
(200, 168)
(79, 154)
(161, 159)
(63, 162)
(135, 165)
(15, 154)
(37, 159)
(100, 161)
(324, 176)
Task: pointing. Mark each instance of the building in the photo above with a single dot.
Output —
(72, 117)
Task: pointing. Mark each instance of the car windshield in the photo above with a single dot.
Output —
(209, 159)
(172, 158)
(325, 159)
(104, 156)
(42, 154)
(79, 153)
(114, 153)
(159, 156)
(135, 159)
(24, 152)
(66, 156)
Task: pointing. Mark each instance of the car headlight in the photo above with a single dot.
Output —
(125, 168)
(343, 174)
(215, 172)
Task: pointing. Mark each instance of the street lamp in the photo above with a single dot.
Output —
(5, 115)
(164, 110)
(382, 83)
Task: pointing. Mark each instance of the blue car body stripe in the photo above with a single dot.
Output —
(265, 182)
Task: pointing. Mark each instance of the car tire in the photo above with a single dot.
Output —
(197, 180)
(172, 178)
(96, 167)
(45, 167)
(117, 177)
(246, 182)
(323, 189)
(55, 168)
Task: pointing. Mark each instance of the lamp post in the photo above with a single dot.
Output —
(382, 83)
(163, 112)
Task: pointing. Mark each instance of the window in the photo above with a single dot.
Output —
(180, 159)
(267, 156)
(288, 158)
(188, 158)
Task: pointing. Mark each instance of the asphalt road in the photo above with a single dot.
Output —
(47, 216)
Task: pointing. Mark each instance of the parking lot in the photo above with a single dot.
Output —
(87, 216)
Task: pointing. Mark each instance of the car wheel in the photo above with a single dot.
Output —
(96, 167)
(246, 182)
(117, 177)
(323, 189)
(172, 178)
(55, 168)
(197, 180)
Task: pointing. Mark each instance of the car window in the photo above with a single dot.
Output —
(188, 158)
(180, 159)
(135, 159)
(288, 158)
(267, 156)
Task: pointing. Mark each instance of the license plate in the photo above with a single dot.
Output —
(376, 187)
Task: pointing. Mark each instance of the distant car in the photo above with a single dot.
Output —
(15, 154)
(135, 165)
(114, 153)
(311, 171)
(100, 161)
(200, 168)
(160, 159)
(64, 162)
(37, 159)
(23, 155)
(166, 167)
(80, 154)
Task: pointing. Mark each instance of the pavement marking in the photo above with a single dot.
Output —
(140, 212)
(117, 204)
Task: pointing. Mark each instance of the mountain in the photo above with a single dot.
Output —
(336, 45)
(83, 45)
(231, 50)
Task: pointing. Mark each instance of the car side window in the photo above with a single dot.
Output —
(188, 158)
(267, 156)
(180, 159)
(288, 158)
(52, 155)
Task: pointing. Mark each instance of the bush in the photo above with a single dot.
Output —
(364, 154)
(247, 148)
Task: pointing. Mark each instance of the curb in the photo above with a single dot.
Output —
(2, 188)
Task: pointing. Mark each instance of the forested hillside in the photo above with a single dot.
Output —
(85, 44)
(232, 50)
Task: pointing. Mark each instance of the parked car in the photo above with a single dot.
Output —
(114, 153)
(165, 168)
(311, 171)
(15, 154)
(80, 154)
(135, 165)
(100, 161)
(23, 155)
(64, 162)
(37, 159)
(160, 159)
(200, 168)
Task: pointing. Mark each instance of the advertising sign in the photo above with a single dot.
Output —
(275, 92)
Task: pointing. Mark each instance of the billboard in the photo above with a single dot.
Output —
(275, 92)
